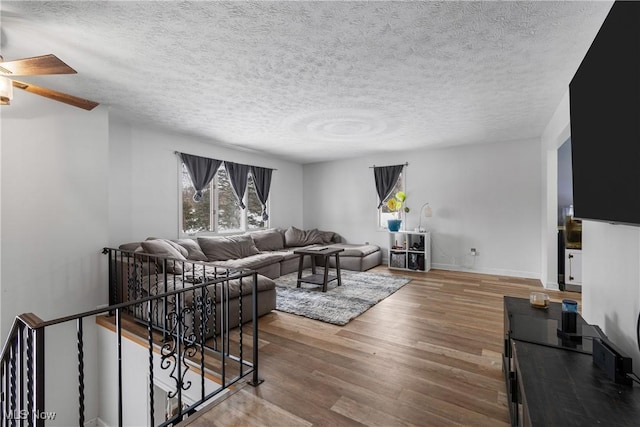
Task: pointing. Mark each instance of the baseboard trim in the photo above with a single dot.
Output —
(492, 271)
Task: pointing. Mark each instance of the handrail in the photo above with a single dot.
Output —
(22, 357)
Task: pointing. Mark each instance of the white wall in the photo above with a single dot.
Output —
(554, 135)
(135, 380)
(487, 197)
(144, 186)
(610, 282)
(54, 223)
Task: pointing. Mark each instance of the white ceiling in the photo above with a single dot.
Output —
(314, 81)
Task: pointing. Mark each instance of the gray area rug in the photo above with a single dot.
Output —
(340, 304)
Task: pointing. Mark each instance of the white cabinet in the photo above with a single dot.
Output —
(573, 268)
(409, 250)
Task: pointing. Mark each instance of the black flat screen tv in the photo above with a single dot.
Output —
(605, 122)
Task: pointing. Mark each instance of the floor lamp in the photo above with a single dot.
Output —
(425, 211)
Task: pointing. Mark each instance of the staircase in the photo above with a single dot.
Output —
(188, 361)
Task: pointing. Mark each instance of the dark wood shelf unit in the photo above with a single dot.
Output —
(551, 382)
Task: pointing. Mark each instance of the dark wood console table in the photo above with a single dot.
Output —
(553, 382)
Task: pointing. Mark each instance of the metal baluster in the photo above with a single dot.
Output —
(112, 284)
(203, 329)
(254, 299)
(80, 374)
(39, 393)
(224, 299)
(179, 337)
(150, 341)
(215, 311)
(20, 362)
(165, 303)
(132, 276)
(240, 325)
(30, 362)
(3, 394)
(119, 352)
(14, 408)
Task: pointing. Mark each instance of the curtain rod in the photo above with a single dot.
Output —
(177, 152)
(374, 166)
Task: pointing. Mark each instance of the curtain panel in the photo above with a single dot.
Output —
(238, 176)
(386, 178)
(262, 180)
(201, 171)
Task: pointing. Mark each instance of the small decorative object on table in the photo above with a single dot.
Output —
(539, 300)
(395, 206)
(394, 224)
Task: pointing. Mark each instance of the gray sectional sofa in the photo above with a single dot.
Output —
(268, 252)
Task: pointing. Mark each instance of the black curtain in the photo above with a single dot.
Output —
(201, 171)
(386, 178)
(238, 175)
(262, 180)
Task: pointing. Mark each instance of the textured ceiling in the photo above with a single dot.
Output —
(313, 81)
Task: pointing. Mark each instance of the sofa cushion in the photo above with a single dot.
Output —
(252, 262)
(264, 284)
(268, 240)
(287, 255)
(163, 248)
(222, 248)
(296, 237)
(194, 253)
(356, 250)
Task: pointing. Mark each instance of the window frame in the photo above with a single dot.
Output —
(214, 210)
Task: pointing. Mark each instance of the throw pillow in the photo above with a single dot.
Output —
(222, 248)
(183, 251)
(268, 240)
(163, 249)
(296, 237)
(194, 253)
(326, 236)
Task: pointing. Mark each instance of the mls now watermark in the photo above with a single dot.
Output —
(23, 414)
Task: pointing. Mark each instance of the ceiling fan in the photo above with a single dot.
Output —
(35, 66)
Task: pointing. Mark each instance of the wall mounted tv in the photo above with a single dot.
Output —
(605, 121)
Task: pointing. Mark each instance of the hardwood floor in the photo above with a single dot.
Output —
(429, 355)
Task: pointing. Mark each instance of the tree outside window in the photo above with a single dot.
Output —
(218, 210)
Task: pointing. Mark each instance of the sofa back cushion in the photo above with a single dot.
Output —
(296, 237)
(165, 249)
(194, 253)
(221, 248)
(268, 240)
(175, 246)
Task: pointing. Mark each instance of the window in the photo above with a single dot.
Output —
(383, 213)
(218, 210)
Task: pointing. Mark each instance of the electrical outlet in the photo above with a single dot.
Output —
(474, 252)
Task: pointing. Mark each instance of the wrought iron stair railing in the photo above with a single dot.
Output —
(176, 323)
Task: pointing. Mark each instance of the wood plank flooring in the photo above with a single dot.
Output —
(429, 355)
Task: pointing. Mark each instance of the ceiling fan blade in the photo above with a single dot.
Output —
(37, 65)
(56, 96)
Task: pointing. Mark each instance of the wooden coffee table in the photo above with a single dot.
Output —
(319, 279)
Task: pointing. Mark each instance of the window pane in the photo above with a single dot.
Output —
(195, 216)
(254, 207)
(383, 213)
(229, 212)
